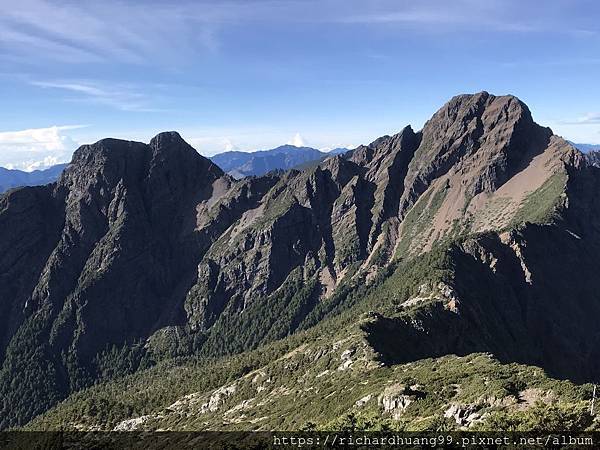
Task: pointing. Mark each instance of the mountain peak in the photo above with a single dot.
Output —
(166, 161)
(492, 126)
(483, 105)
(170, 145)
(167, 139)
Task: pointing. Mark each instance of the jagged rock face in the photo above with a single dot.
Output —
(128, 245)
(30, 223)
(154, 244)
(593, 158)
(479, 158)
(322, 220)
(103, 257)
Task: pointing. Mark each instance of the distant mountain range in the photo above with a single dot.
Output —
(586, 147)
(237, 164)
(242, 164)
(15, 178)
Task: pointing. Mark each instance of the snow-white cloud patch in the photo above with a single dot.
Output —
(229, 146)
(36, 148)
(297, 141)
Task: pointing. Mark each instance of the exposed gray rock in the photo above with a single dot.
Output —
(397, 397)
(463, 415)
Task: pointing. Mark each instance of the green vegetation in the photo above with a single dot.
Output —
(325, 376)
(347, 250)
(274, 317)
(258, 324)
(540, 206)
(303, 388)
(24, 355)
(541, 418)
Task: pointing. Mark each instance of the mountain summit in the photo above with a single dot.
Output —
(478, 233)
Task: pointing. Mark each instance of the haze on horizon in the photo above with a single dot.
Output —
(253, 75)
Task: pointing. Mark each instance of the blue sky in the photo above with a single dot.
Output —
(255, 74)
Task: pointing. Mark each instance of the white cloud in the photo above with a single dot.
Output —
(80, 32)
(122, 97)
(330, 148)
(209, 141)
(583, 129)
(229, 146)
(297, 141)
(39, 31)
(470, 15)
(36, 148)
(30, 166)
(587, 119)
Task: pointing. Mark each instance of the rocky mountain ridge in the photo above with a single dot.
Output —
(593, 157)
(144, 252)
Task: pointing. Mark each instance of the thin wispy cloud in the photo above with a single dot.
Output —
(65, 53)
(441, 20)
(163, 32)
(587, 119)
(121, 97)
(537, 63)
(131, 32)
(462, 15)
